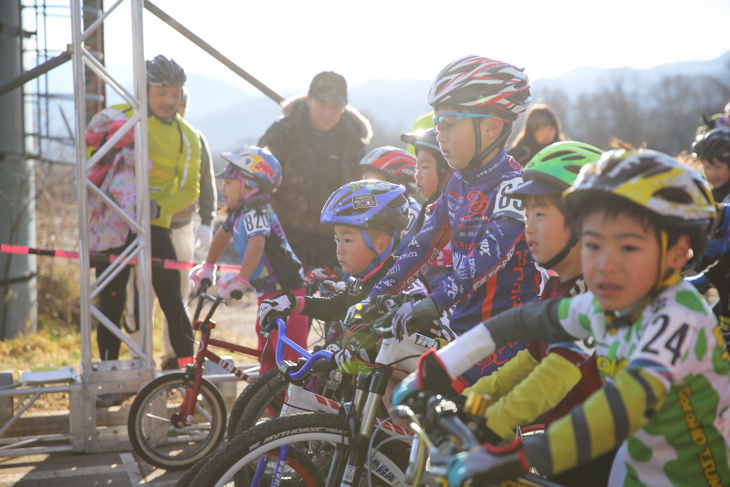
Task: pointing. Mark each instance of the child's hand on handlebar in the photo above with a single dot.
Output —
(489, 465)
(232, 286)
(430, 375)
(202, 272)
(277, 307)
(410, 314)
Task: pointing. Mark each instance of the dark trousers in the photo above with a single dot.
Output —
(166, 283)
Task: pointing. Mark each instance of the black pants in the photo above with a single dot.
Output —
(166, 283)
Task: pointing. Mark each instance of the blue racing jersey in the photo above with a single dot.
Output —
(493, 269)
(279, 269)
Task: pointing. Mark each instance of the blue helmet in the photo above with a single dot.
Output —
(368, 204)
(254, 163)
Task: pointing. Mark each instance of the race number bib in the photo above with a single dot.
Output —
(257, 223)
(505, 205)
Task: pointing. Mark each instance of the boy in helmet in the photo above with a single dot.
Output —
(367, 218)
(432, 174)
(396, 166)
(476, 101)
(666, 391)
(268, 263)
(712, 149)
(546, 381)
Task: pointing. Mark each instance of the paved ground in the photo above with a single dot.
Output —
(95, 470)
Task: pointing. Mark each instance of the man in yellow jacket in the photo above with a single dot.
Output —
(174, 149)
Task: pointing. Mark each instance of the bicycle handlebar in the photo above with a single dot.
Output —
(311, 358)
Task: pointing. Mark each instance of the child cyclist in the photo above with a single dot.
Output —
(268, 263)
(396, 166)
(432, 174)
(712, 149)
(661, 356)
(368, 218)
(476, 100)
(547, 381)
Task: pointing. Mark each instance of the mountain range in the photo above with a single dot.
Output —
(231, 115)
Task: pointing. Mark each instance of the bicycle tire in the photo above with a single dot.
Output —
(260, 405)
(239, 407)
(161, 444)
(265, 400)
(234, 463)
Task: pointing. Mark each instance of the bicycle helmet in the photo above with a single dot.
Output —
(553, 170)
(369, 204)
(426, 140)
(396, 165)
(716, 121)
(253, 164)
(715, 144)
(475, 83)
(163, 71)
(677, 195)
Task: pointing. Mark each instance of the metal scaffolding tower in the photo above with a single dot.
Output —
(112, 376)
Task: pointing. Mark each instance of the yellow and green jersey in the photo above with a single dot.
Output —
(666, 392)
(174, 149)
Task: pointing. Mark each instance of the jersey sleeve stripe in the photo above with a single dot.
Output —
(617, 411)
(582, 435)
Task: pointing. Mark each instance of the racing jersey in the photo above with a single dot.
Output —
(279, 269)
(414, 208)
(174, 149)
(493, 269)
(665, 396)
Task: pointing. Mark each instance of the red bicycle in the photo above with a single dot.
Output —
(180, 417)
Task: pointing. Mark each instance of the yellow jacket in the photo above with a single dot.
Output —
(174, 149)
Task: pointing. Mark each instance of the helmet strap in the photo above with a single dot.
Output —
(480, 154)
(380, 256)
(558, 258)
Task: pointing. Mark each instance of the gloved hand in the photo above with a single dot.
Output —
(350, 363)
(202, 272)
(488, 465)
(277, 307)
(430, 375)
(203, 237)
(356, 309)
(318, 273)
(229, 284)
(154, 210)
(412, 313)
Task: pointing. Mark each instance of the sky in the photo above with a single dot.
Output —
(285, 43)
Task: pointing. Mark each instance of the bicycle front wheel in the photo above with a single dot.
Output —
(153, 433)
(314, 437)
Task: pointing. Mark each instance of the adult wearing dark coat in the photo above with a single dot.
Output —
(319, 141)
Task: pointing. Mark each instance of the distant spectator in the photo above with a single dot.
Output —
(542, 128)
(319, 141)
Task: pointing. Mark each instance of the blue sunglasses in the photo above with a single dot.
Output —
(446, 120)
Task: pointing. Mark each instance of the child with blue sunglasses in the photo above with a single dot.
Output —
(476, 101)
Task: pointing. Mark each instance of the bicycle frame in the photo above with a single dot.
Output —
(194, 372)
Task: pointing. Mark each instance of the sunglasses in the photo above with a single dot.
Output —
(446, 120)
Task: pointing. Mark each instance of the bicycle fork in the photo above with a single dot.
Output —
(358, 455)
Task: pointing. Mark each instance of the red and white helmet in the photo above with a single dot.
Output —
(396, 165)
(474, 81)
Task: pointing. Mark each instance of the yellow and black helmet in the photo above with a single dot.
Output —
(675, 193)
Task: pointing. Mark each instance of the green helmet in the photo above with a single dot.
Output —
(555, 168)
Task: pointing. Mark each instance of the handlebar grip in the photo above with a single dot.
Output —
(204, 285)
(237, 294)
